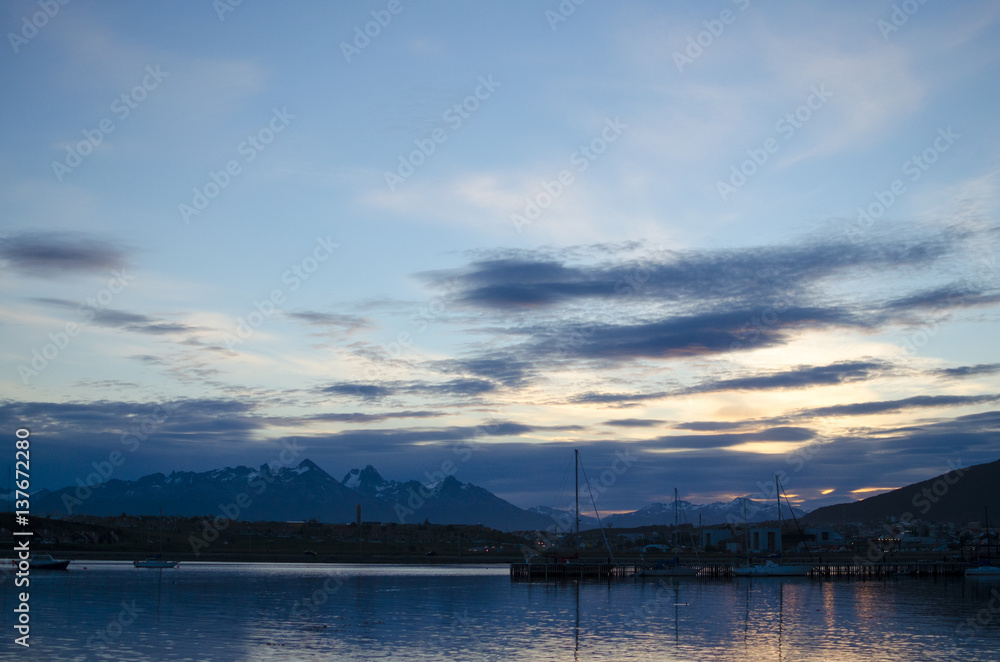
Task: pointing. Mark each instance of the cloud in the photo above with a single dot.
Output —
(51, 254)
(528, 279)
(123, 320)
(968, 370)
(729, 439)
(689, 335)
(673, 304)
(593, 397)
(954, 295)
(711, 426)
(885, 406)
(633, 422)
(506, 369)
(333, 321)
(464, 387)
(364, 391)
(357, 417)
(842, 372)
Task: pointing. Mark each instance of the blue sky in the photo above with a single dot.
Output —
(730, 238)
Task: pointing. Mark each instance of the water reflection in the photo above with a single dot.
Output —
(321, 612)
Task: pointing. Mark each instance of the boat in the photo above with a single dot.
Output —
(44, 562)
(155, 561)
(983, 571)
(674, 567)
(769, 568)
(987, 569)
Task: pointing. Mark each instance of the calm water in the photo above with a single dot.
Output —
(111, 611)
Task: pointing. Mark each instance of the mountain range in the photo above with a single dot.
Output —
(306, 492)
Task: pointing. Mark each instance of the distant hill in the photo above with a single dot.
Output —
(954, 497)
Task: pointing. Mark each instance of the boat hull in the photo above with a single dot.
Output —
(46, 564)
(155, 564)
(983, 571)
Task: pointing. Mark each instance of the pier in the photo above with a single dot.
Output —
(628, 570)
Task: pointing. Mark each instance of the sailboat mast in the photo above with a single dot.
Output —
(675, 521)
(777, 493)
(576, 481)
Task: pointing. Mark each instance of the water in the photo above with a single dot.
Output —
(112, 611)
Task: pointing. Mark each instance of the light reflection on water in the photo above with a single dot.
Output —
(378, 612)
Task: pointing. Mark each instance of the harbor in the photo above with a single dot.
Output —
(830, 570)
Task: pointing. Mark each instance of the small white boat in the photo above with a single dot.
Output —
(769, 568)
(44, 562)
(772, 569)
(983, 571)
(672, 568)
(987, 569)
(155, 562)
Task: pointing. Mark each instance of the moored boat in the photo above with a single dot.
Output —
(44, 562)
(987, 569)
(983, 571)
(673, 568)
(155, 562)
(769, 568)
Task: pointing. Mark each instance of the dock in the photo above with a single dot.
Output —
(628, 570)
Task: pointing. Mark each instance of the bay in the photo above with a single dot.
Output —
(207, 611)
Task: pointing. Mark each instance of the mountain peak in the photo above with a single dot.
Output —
(366, 481)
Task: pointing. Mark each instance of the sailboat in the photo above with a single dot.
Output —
(987, 569)
(674, 569)
(769, 568)
(156, 560)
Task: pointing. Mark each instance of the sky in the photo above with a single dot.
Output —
(701, 242)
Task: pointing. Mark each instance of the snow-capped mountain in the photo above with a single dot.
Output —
(306, 491)
(302, 492)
